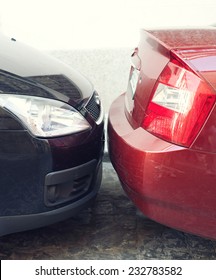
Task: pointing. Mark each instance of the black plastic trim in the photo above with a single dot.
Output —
(69, 184)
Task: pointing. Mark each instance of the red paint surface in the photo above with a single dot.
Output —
(170, 184)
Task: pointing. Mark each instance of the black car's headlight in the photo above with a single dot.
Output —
(44, 117)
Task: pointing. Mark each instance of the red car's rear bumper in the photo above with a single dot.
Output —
(170, 184)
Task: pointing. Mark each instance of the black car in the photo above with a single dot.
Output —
(51, 139)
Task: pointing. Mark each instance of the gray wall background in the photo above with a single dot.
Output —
(107, 69)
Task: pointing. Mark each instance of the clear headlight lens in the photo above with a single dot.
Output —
(44, 117)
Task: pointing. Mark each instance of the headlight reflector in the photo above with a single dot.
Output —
(44, 117)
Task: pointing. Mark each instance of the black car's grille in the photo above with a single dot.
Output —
(94, 107)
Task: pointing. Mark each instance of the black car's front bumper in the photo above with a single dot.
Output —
(45, 181)
(88, 175)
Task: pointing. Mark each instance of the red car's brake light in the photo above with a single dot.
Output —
(180, 103)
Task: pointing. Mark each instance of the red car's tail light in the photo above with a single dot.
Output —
(180, 103)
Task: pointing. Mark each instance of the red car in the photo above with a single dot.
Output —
(162, 131)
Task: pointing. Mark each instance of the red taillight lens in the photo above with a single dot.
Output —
(180, 104)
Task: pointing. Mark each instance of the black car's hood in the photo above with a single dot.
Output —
(26, 66)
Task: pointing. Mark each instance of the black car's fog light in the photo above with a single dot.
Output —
(70, 184)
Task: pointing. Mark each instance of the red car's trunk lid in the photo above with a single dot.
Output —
(196, 48)
(203, 61)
